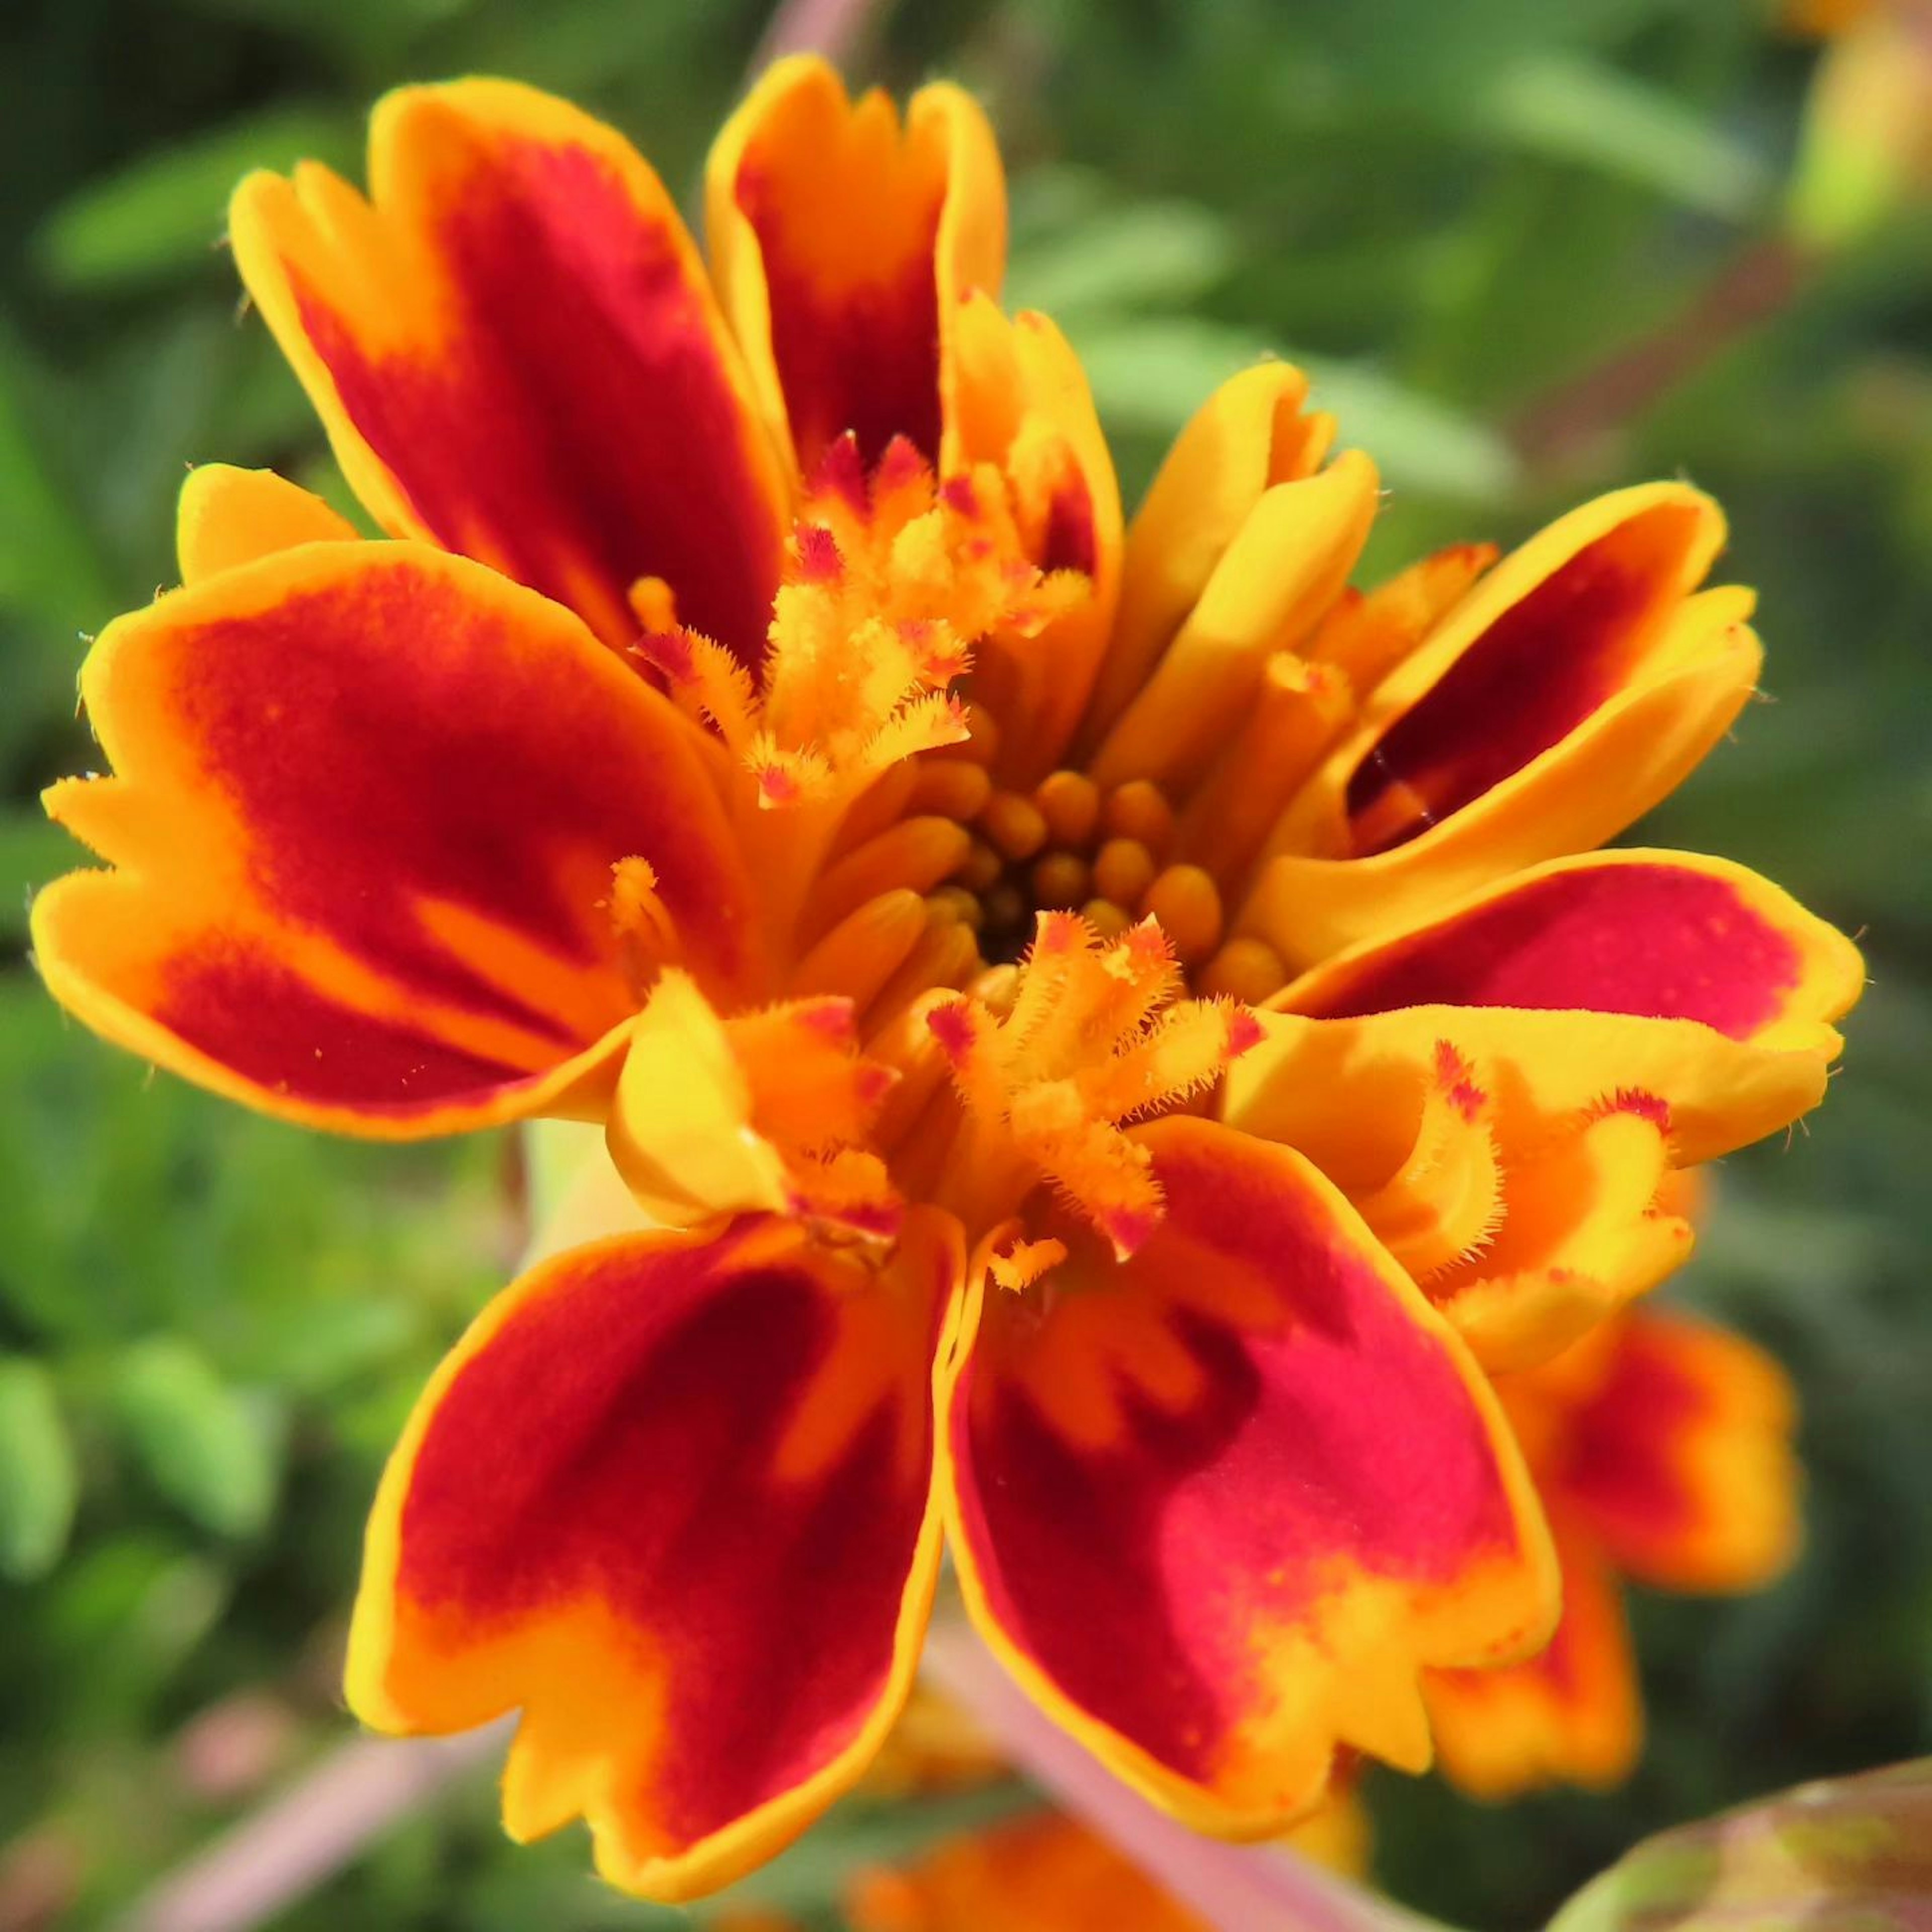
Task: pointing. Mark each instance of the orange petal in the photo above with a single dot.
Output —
(228, 516)
(1280, 574)
(1570, 1716)
(1249, 436)
(367, 803)
(1218, 1504)
(1680, 1457)
(1041, 1873)
(842, 245)
(671, 1498)
(514, 350)
(1018, 399)
(1570, 690)
(1668, 935)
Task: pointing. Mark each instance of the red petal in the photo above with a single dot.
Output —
(1664, 934)
(1680, 1459)
(367, 803)
(1218, 1504)
(842, 244)
(1571, 1715)
(517, 354)
(672, 1497)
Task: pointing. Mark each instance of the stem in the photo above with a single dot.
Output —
(358, 1793)
(1235, 1888)
(1565, 422)
(832, 28)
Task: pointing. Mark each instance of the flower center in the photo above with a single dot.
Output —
(890, 581)
(1068, 847)
(1054, 1062)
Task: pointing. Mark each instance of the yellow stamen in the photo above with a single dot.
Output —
(1247, 969)
(1124, 869)
(1187, 903)
(1015, 826)
(1070, 803)
(1061, 881)
(890, 581)
(1139, 810)
(1093, 1037)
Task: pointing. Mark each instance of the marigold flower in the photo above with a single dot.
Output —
(1050, 990)
(1661, 1446)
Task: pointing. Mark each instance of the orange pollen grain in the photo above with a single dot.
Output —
(1094, 1036)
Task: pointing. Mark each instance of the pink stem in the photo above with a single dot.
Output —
(1235, 1888)
(358, 1793)
(832, 28)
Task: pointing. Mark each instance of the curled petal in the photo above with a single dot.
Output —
(672, 1499)
(228, 516)
(1572, 688)
(514, 350)
(1216, 1505)
(366, 805)
(1019, 399)
(1571, 1715)
(762, 1111)
(1282, 570)
(843, 245)
(1666, 935)
(1251, 435)
(1544, 1200)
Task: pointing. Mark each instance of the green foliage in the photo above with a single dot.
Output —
(211, 1328)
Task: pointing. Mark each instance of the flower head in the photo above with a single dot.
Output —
(757, 735)
(1662, 1447)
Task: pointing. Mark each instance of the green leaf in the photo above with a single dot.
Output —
(50, 563)
(1149, 377)
(1569, 108)
(1111, 260)
(33, 849)
(1848, 1855)
(39, 1481)
(166, 213)
(204, 1448)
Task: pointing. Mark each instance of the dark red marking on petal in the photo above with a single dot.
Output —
(575, 426)
(1538, 671)
(1669, 942)
(1325, 1432)
(244, 1007)
(862, 357)
(1621, 1464)
(618, 1439)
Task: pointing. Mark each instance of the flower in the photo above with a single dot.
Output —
(1044, 1872)
(1050, 993)
(1661, 1447)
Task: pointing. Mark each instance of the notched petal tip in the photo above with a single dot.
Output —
(641, 1453)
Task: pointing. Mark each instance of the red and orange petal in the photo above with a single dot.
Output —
(672, 1499)
(365, 805)
(1570, 1716)
(1664, 935)
(1573, 686)
(1019, 400)
(843, 245)
(517, 354)
(1042, 1872)
(1217, 1505)
(1679, 1458)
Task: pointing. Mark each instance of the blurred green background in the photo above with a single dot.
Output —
(210, 1327)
